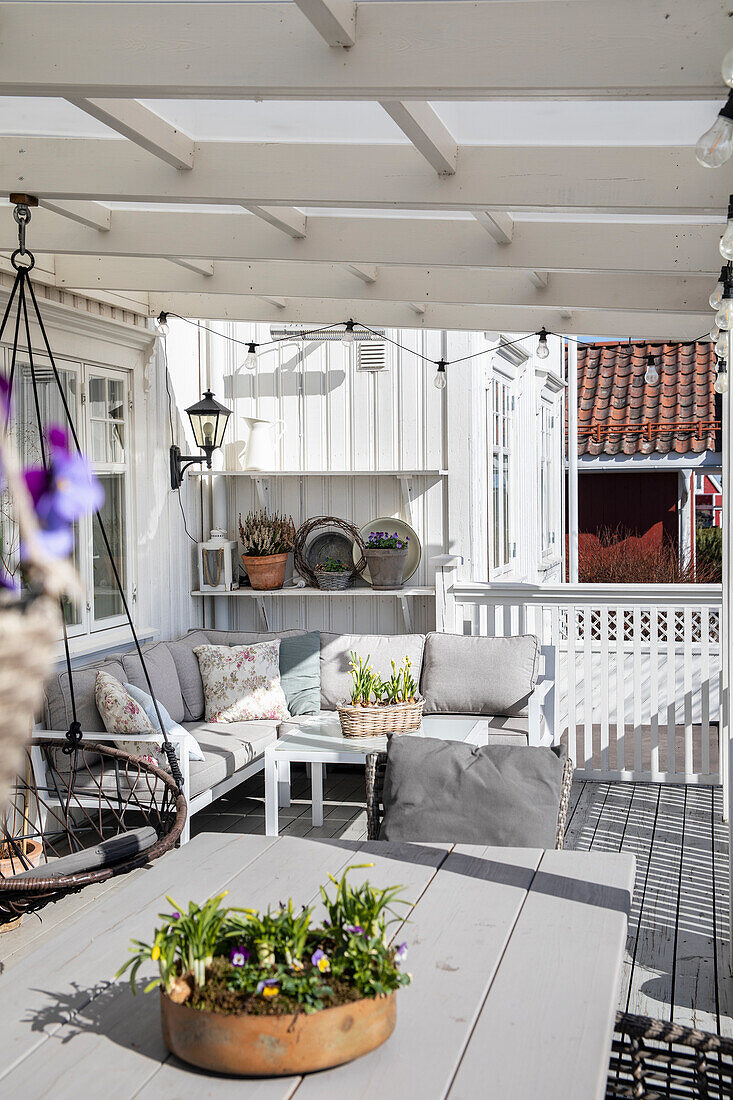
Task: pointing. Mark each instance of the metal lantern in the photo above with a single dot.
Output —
(208, 421)
(218, 563)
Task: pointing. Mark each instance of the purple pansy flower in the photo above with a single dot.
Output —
(62, 494)
(320, 961)
(239, 956)
(268, 987)
(175, 915)
(354, 929)
(400, 954)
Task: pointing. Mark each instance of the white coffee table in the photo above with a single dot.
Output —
(323, 743)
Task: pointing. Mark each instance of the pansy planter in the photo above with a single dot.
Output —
(386, 567)
(275, 1046)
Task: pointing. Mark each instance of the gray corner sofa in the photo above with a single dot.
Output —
(498, 679)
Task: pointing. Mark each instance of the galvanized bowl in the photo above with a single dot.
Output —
(275, 1046)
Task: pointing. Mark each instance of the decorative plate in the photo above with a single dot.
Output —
(330, 543)
(403, 530)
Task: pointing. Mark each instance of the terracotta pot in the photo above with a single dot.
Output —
(272, 1046)
(9, 867)
(265, 572)
(386, 567)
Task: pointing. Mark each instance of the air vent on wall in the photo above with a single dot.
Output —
(371, 355)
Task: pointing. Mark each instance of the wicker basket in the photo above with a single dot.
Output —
(333, 582)
(378, 720)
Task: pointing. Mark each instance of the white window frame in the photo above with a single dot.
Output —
(547, 519)
(500, 410)
(88, 626)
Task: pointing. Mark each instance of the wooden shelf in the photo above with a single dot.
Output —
(358, 591)
(318, 473)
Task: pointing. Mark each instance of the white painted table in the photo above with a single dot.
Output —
(321, 742)
(516, 957)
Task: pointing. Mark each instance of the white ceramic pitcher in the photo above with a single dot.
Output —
(260, 450)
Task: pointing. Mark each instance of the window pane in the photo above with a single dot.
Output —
(72, 611)
(108, 441)
(497, 512)
(115, 408)
(505, 503)
(50, 405)
(107, 601)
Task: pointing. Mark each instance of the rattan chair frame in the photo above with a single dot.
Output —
(657, 1060)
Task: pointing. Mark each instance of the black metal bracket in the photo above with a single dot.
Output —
(179, 463)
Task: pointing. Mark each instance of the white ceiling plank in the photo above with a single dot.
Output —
(291, 222)
(599, 178)
(415, 286)
(406, 51)
(143, 127)
(499, 225)
(198, 267)
(366, 272)
(537, 245)
(538, 279)
(335, 20)
(431, 138)
(653, 326)
(91, 214)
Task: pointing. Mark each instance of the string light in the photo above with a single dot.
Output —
(348, 336)
(716, 295)
(715, 147)
(726, 241)
(651, 375)
(162, 323)
(724, 316)
(441, 379)
(721, 378)
(251, 361)
(721, 346)
(542, 348)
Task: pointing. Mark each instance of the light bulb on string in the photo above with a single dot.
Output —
(721, 378)
(714, 333)
(715, 147)
(251, 361)
(651, 375)
(727, 68)
(441, 378)
(726, 241)
(724, 316)
(716, 294)
(721, 346)
(162, 323)
(542, 348)
(348, 333)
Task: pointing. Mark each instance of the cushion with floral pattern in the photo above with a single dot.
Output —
(242, 682)
(122, 714)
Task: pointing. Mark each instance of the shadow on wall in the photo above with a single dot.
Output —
(288, 379)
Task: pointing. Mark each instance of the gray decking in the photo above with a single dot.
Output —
(677, 963)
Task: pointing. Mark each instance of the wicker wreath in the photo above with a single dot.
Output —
(311, 525)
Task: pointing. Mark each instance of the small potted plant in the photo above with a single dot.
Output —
(266, 540)
(386, 557)
(269, 994)
(378, 707)
(333, 574)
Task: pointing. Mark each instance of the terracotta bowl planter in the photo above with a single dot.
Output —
(265, 573)
(9, 867)
(273, 1046)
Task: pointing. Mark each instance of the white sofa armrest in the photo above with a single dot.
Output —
(542, 705)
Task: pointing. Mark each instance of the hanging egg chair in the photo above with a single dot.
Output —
(76, 813)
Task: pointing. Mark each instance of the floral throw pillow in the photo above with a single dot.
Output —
(121, 714)
(242, 682)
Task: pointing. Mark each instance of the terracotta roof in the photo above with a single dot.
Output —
(620, 413)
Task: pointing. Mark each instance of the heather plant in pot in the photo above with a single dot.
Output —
(266, 540)
(386, 556)
(272, 993)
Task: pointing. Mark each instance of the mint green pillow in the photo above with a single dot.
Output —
(300, 672)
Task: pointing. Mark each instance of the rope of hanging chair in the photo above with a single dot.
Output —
(58, 577)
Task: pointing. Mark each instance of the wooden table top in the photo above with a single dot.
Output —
(516, 956)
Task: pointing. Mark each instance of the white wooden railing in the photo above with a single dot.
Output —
(638, 669)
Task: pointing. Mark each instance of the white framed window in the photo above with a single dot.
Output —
(500, 410)
(98, 402)
(546, 488)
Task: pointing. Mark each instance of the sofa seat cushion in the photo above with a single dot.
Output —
(504, 730)
(163, 673)
(462, 674)
(448, 792)
(381, 649)
(226, 750)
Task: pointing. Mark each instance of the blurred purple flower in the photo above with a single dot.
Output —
(4, 397)
(400, 954)
(354, 929)
(62, 494)
(239, 956)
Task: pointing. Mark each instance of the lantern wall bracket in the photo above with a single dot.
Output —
(179, 463)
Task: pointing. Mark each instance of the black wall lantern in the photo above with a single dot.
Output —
(209, 420)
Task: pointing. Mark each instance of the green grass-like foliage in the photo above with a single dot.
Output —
(277, 960)
(368, 687)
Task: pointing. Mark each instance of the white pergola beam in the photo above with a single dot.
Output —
(335, 20)
(91, 214)
(431, 138)
(143, 127)
(198, 267)
(499, 225)
(538, 279)
(287, 221)
(538, 245)
(405, 51)
(653, 326)
(409, 284)
(520, 178)
(366, 272)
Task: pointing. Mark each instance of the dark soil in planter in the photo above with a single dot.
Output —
(215, 997)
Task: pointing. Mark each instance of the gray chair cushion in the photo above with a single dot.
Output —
(467, 675)
(226, 752)
(58, 710)
(448, 792)
(161, 665)
(104, 854)
(300, 672)
(189, 674)
(381, 648)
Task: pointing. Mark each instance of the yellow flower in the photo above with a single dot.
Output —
(155, 953)
(270, 991)
(323, 965)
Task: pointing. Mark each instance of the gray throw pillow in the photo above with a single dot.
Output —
(462, 674)
(447, 792)
(300, 672)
